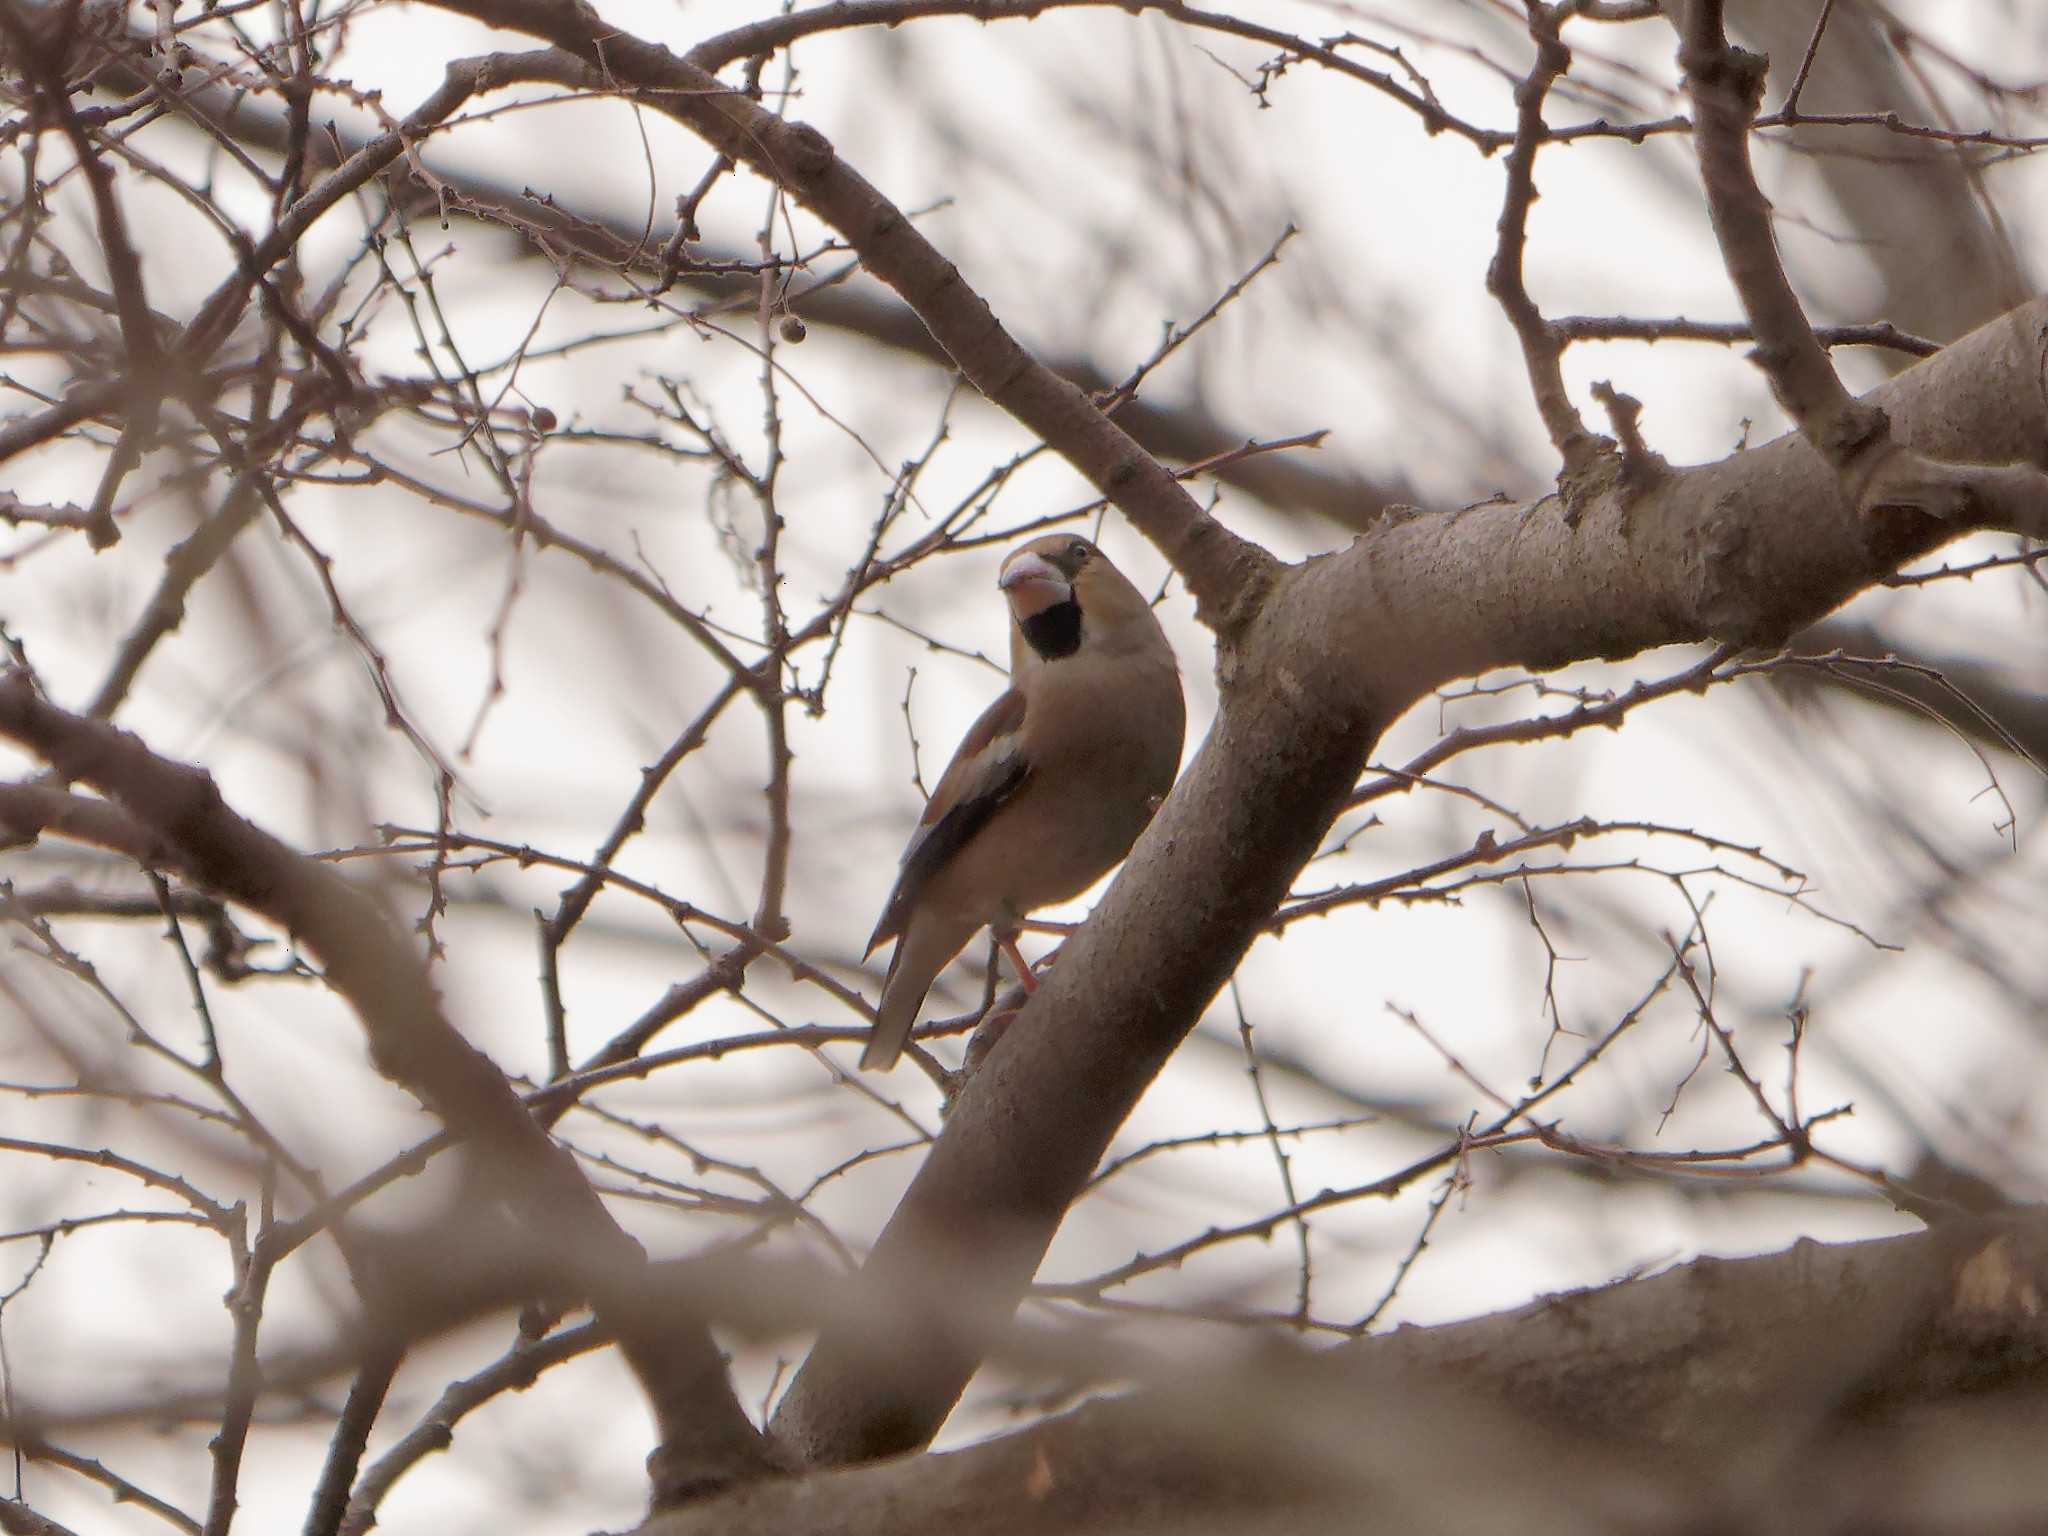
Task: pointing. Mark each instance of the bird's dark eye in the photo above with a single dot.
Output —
(1077, 551)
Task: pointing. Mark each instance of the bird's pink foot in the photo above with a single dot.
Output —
(1007, 942)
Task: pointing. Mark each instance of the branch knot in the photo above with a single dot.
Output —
(810, 154)
(1723, 67)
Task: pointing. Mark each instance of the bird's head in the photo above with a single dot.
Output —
(1060, 588)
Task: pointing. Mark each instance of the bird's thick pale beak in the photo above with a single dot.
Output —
(1033, 585)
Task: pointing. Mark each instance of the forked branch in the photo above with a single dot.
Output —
(1877, 474)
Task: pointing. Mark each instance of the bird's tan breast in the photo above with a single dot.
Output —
(1104, 745)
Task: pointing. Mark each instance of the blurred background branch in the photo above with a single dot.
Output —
(536, 517)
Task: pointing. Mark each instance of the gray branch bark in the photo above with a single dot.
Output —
(1745, 550)
(1705, 1398)
(1314, 661)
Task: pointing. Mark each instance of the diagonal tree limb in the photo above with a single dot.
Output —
(1182, 433)
(706, 1439)
(1222, 571)
(1747, 550)
(1314, 661)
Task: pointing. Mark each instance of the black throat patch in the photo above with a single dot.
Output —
(1056, 631)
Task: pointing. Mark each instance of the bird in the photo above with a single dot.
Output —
(1049, 788)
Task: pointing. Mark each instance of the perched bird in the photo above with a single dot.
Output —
(1051, 786)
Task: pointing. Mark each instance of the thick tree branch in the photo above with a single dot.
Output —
(1726, 84)
(1745, 550)
(1685, 1402)
(1315, 661)
(1032, 1122)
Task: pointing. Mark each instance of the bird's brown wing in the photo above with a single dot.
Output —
(987, 769)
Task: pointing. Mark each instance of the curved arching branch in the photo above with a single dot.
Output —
(169, 813)
(1315, 661)
(1224, 573)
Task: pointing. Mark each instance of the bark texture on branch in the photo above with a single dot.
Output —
(1890, 1384)
(1748, 550)
(1314, 661)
